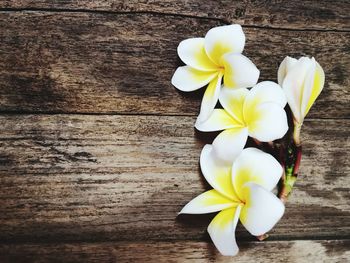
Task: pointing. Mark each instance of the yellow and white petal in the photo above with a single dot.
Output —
(254, 165)
(262, 209)
(315, 88)
(218, 120)
(307, 86)
(210, 98)
(265, 91)
(283, 69)
(232, 100)
(230, 143)
(208, 202)
(222, 231)
(192, 53)
(222, 40)
(189, 79)
(293, 86)
(266, 122)
(240, 71)
(217, 173)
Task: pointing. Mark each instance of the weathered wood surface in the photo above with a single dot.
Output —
(320, 15)
(97, 187)
(123, 63)
(99, 178)
(185, 251)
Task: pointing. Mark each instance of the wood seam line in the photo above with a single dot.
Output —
(52, 113)
(222, 20)
(334, 238)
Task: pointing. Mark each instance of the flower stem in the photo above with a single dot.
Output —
(292, 157)
(262, 237)
(296, 133)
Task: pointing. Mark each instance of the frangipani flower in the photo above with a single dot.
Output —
(302, 80)
(257, 112)
(241, 191)
(209, 60)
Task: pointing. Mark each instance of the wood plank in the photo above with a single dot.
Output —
(321, 15)
(100, 178)
(107, 63)
(185, 251)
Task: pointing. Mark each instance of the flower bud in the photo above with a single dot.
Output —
(302, 81)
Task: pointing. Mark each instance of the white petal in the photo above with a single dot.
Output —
(240, 71)
(192, 52)
(307, 86)
(266, 122)
(210, 98)
(262, 209)
(232, 100)
(293, 86)
(315, 89)
(224, 39)
(253, 165)
(217, 173)
(208, 202)
(218, 120)
(285, 66)
(230, 143)
(222, 231)
(266, 91)
(189, 79)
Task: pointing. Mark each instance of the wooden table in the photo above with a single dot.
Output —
(98, 151)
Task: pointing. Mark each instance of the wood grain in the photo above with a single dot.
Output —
(320, 15)
(108, 63)
(100, 178)
(185, 251)
(90, 186)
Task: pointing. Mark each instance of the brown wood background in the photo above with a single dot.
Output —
(98, 152)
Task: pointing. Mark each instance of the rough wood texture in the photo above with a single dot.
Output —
(91, 187)
(76, 178)
(321, 15)
(107, 63)
(184, 251)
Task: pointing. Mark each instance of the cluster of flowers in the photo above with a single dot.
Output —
(243, 179)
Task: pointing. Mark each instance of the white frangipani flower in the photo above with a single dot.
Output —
(302, 81)
(210, 59)
(257, 112)
(241, 191)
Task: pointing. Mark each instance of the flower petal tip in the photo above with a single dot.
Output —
(188, 79)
